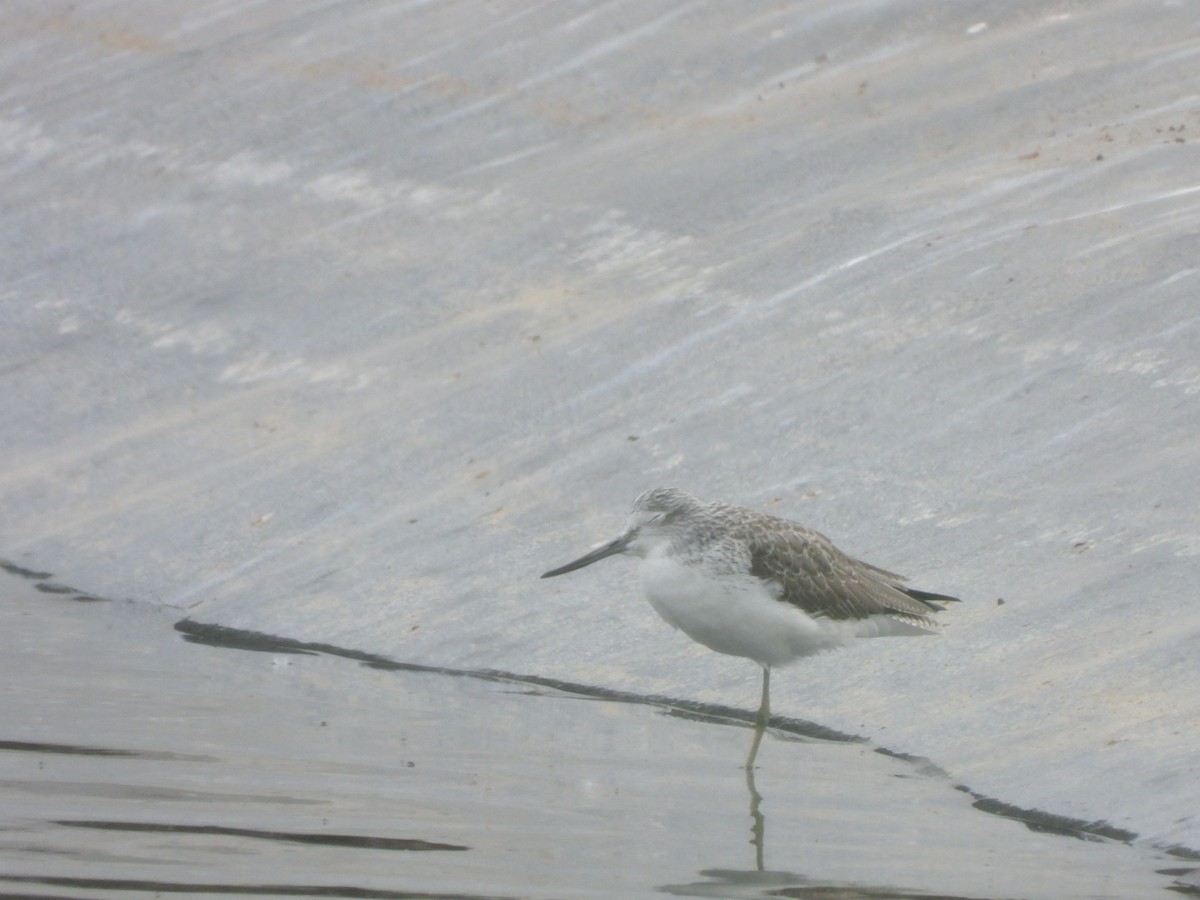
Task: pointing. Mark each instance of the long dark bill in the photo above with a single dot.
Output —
(609, 549)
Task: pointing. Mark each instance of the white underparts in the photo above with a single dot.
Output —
(739, 614)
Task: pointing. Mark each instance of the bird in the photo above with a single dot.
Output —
(745, 583)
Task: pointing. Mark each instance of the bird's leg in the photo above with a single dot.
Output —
(764, 716)
(764, 706)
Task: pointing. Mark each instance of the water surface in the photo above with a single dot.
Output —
(136, 762)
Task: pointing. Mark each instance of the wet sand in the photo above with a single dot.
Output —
(134, 761)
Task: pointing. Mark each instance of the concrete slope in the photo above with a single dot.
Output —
(344, 321)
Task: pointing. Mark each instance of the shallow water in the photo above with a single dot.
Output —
(133, 761)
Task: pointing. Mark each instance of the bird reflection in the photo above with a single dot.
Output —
(761, 881)
(758, 820)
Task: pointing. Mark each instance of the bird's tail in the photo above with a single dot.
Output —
(933, 601)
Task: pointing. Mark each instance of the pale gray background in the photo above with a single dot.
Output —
(343, 321)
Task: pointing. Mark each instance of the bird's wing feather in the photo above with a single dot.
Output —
(820, 579)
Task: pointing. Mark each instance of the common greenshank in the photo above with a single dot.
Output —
(749, 584)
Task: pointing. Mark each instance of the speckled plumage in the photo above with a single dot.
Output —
(749, 584)
(808, 570)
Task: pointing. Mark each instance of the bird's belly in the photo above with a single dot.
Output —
(735, 614)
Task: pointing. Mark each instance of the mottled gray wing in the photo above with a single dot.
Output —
(820, 579)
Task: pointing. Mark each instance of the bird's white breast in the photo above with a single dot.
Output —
(737, 614)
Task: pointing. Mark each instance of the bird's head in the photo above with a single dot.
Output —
(654, 520)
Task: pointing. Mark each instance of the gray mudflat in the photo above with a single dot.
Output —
(343, 322)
